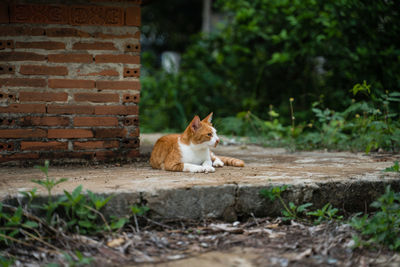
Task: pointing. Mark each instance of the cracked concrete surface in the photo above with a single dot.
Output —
(347, 180)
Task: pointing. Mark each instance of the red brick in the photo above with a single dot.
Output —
(45, 121)
(137, 35)
(6, 44)
(129, 47)
(130, 143)
(70, 58)
(6, 146)
(7, 69)
(96, 97)
(102, 73)
(23, 82)
(70, 109)
(106, 155)
(22, 133)
(11, 30)
(131, 121)
(24, 108)
(43, 70)
(41, 45)
(116, 110)
(133, 154)
(21, 56)
(7, 96)
(94, 46)
(66, 83)
(113, 36)
(95, 121)
(69, 133)
(130, 98)
(118, 85)
(129, 72)
(50, 145)
(110, 133)
(7, 121)
(136, 2)
(4, 16)
(132, 16)
(67, 155)
(96, 15)
(39, 13)
(95, 144)
(66, 32)
(19, 156)
(135, 132)
(127, 59)
(47, 97)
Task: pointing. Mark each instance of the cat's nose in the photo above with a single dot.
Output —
(216, 142)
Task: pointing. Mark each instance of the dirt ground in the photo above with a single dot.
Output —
(255, 242)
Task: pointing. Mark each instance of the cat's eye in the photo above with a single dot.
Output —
(210, 134)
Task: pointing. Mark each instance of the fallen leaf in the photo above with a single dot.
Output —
(116, 242)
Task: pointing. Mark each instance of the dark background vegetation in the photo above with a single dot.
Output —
(264, 52)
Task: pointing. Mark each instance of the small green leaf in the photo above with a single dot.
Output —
(85, 224)
(118, 224)
(30, 224)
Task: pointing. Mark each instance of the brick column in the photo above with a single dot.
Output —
(69, 80)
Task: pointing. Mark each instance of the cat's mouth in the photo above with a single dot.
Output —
(216, 143)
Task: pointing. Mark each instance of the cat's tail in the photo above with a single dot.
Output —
(228, 161)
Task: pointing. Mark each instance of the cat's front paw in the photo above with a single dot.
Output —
(208, 169)
(194, 168)
(218, 163)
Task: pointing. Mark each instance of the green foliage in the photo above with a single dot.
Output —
(269, 132)
(77, 260)
(5, 262)
(368, 124)
(291, 211)
(382, 228)
(73, 212)
(267, 51)
(364, 125)
(49, 184)
(327, 213)
(394, 168)
(300, 213)
(139, 210)
(13, 223)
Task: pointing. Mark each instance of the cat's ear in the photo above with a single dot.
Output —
(195, 124)
(208, 118)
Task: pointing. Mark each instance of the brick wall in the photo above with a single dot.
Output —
(69, 79)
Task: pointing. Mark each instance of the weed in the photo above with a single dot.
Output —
(394, 168)
(300, 213)
(77, 260)
(327, 213)
(13, 223)
(291, 211)
(72, 212)
(5, 262)
(382, 228)
(49, 184)
(138, 211)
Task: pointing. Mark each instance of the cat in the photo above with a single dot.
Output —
(190, 151)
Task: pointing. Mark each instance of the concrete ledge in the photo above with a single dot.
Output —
(346, 180)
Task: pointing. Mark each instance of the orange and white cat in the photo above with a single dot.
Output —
(190, 151)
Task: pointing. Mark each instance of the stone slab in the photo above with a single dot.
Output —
(347, 180)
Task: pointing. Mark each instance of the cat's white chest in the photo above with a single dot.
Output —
(194, 155)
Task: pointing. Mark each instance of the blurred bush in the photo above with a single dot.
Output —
(269, 50)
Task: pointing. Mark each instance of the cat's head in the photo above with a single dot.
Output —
(201, 132)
